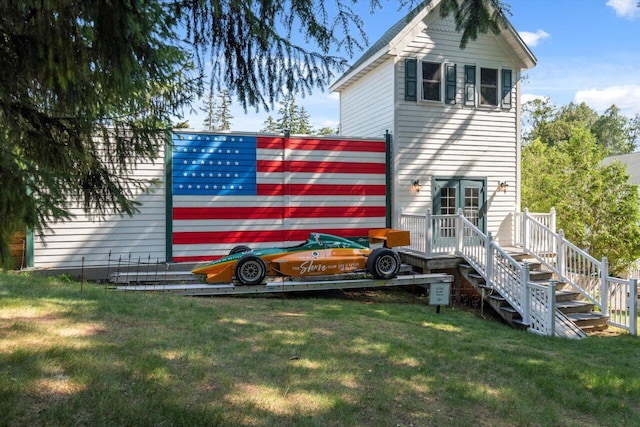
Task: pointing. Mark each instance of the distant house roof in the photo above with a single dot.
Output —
(632, 161)
(384, 46)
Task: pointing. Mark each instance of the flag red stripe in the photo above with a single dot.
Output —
(275, 143)
(320, 167)
(278, 212)
(270, 142)
(320, 190)
(222, 237)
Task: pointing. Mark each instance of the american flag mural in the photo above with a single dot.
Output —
(264, 191)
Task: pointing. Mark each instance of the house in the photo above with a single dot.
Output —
(453, 115)
(631, 162)
(453, 119)
(450, 158)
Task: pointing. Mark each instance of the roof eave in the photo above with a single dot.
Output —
(372, 62)
(527, 57)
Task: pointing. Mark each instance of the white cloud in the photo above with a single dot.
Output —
(625, 8)
(626, 97)
(532, 39)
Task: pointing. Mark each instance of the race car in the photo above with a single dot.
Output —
(321, 255)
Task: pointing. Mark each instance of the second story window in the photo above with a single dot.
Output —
(488, 86)
(431, 81)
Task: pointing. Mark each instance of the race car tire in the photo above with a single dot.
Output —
(239, 249)
(250, 270)
(383, 263)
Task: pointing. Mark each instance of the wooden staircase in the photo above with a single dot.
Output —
(575, 317)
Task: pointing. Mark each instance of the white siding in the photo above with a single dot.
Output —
(366, 109)
(139, 237)
(438, 140)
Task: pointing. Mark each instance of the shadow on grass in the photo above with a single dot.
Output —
(370, 359)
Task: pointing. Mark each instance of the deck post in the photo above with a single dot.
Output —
(604, 291)
(551, 319)
(526, 295)
(488, 249)
(552, 220)
(459, 232)
(562, 270)
(524, 229)
(428, 233)
(633, 307)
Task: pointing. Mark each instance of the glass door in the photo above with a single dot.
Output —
(453, 194)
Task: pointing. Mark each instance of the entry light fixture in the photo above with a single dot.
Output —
(416, 185)
(502, 186)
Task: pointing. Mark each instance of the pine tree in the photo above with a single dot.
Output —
(86, 93)
(270, 126)
(302, 126)
(223, 114)
(209, 109)
(326, 130)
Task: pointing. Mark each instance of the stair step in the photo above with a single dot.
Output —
(540, 275)
(520, 256)
(519, 324)
(589, 322)
(573, 306)
(588, 316)
(534, 265)
(562, 295)
(510, 314)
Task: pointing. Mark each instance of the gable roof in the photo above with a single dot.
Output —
(383, 47)
(632, 161)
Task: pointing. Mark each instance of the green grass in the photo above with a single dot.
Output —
(365, 358)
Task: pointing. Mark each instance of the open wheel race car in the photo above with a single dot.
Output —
(320, 255)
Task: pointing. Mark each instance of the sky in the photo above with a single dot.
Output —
(587, 51)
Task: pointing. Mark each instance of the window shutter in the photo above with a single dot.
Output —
(411, 79)
(506, 88)
(470, 85)
(450, 85)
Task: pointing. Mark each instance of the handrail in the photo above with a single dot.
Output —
(455, 234)
(534, 303)
(614, 297)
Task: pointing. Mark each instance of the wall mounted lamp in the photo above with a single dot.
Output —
(502, 186)
(416, 185)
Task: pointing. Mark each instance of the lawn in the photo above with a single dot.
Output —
(365, 358)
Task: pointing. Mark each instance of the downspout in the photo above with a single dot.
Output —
(388, 181)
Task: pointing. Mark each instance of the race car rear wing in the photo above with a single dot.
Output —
(389, 237)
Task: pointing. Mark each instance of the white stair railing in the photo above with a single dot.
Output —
(456, 235)
(615, 298)
(501, 272)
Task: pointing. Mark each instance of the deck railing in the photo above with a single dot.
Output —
(455, 234)
(616, 298)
